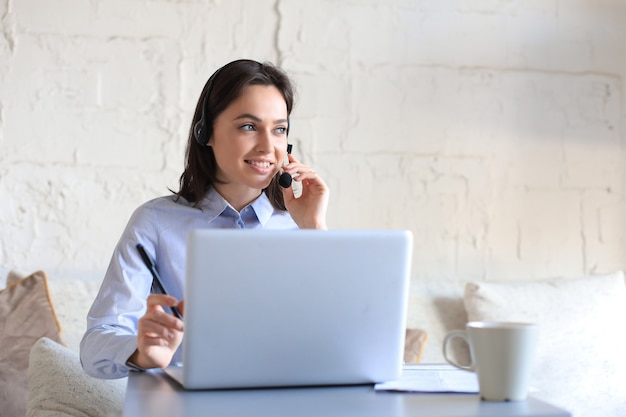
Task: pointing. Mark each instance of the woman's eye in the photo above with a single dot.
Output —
(281, 130)
(247, 127)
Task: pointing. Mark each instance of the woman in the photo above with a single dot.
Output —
(237, 144)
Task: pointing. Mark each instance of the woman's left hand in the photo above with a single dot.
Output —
(308, 210)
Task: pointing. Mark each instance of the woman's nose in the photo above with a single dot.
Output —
(264, 141)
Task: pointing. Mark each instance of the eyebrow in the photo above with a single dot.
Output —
(256, 119)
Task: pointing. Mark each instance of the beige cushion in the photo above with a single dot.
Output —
(414, 345)
(59, 387)
(437, 307)
(26, 314)
(13, 277)
(581, 361)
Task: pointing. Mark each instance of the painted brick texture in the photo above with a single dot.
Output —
(494, 130)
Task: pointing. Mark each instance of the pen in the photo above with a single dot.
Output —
(156, 279)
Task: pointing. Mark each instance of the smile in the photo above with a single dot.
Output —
(260, 164)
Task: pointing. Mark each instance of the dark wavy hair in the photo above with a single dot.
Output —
(225, 86)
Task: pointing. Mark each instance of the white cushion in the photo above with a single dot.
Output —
(58, 386)
(72, 300)
(581, 361)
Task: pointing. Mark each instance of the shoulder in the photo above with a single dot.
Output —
(165, 204)
(162, 208)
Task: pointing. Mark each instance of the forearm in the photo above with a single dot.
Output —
(104, 353)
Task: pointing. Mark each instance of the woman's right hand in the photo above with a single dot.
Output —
(159, 333)
(308, 210)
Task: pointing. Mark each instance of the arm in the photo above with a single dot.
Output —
(112, 321)
(121, 307)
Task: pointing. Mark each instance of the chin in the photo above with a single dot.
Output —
(261, 185)
(267, 184)
(269, 180)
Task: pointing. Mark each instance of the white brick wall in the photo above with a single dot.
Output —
(494, 130)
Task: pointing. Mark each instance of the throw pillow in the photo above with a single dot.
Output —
(414, 345)
(13, 277)
(26, 314)
(59, 386)
(580, 364)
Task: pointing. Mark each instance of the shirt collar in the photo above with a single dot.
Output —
(213, 205)
(263, 208)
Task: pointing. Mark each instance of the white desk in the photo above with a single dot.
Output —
(154, 394)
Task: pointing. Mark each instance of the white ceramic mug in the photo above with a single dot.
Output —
(502, 354)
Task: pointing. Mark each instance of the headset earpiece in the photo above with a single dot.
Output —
(202, 130)
(198, 131)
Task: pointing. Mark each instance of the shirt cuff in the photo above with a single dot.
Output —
(132, 367)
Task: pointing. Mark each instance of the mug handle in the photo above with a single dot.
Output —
(462, 334)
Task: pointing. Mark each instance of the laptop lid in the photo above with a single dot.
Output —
(294, 308)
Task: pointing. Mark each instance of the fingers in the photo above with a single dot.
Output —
(159, 333)
(298, 170)
(156, 319)
(308, 210)
(161, 300)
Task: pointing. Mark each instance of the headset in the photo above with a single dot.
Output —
(203, 128)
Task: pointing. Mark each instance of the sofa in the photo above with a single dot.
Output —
(580, 362)
(41, 322)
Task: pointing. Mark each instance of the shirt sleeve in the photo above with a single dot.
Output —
(111, 336)
(161, 226)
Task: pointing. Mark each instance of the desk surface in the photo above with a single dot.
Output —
(154, 394)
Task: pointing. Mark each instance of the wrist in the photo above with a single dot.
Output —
(315, 226)
(137, 361)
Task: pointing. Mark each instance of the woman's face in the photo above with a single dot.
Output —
(250, 142)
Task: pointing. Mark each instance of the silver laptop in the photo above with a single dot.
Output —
(294, 308)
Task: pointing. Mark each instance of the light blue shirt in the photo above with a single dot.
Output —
(161, 226)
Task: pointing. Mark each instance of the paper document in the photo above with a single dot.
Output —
(432, 378)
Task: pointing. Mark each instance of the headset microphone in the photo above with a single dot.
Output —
(285, 179)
